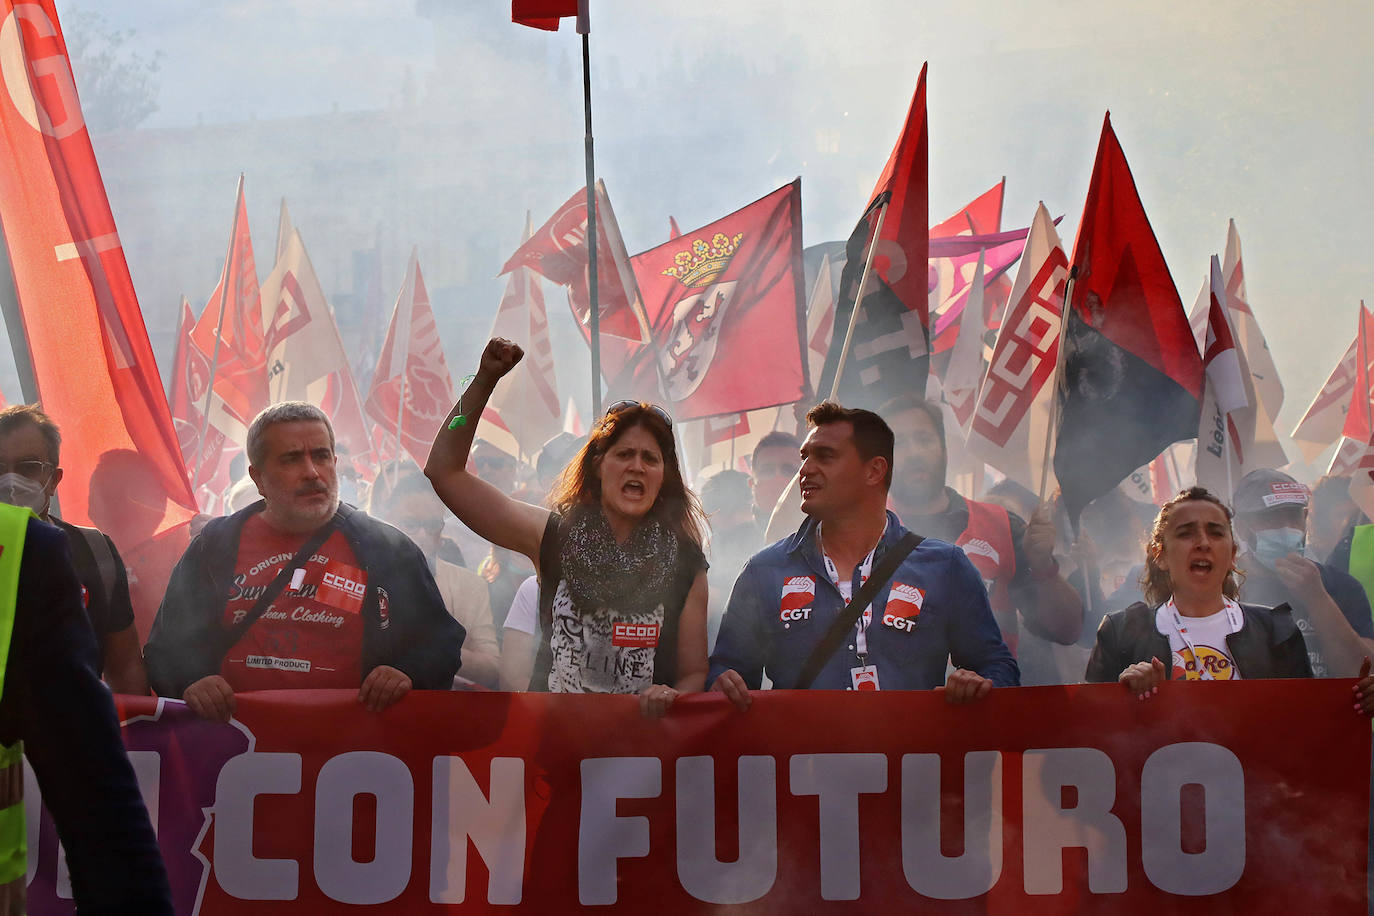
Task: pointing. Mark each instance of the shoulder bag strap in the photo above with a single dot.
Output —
(839, 627)
(233, 634)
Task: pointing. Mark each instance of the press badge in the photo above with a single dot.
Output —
(864, 677)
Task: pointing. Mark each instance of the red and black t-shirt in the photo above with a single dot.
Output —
(312, 635)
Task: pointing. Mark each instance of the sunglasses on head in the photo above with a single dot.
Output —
(626, 404)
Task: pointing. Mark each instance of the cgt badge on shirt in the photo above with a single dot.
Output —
(343, 586)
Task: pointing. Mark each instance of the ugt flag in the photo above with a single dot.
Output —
(1132, 375)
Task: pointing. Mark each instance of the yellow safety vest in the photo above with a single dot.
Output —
(14, 524)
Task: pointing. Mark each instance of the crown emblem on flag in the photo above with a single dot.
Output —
(703, 263)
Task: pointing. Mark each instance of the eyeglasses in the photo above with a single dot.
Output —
(626, 404)
(32, 468)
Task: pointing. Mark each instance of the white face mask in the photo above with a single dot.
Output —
(1275, 543)
(18, 490)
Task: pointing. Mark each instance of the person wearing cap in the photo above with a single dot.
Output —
(1329, 606)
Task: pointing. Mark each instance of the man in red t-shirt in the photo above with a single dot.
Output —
(360, 611)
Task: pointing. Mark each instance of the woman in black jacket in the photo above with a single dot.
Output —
(1190, 626)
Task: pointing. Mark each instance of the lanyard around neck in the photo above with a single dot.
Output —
(1233, 620)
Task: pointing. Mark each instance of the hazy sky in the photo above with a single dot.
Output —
(1257, 111)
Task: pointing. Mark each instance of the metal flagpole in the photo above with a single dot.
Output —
(219, 337)
(858, 301)
(594, 316)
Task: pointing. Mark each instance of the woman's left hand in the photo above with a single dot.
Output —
(1364, 690)
(655, 699)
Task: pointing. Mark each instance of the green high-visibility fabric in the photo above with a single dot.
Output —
(14, 524)
(1362, 558)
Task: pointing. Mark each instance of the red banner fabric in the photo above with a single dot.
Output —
(1211, 797)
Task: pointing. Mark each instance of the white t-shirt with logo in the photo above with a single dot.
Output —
(1197, 645)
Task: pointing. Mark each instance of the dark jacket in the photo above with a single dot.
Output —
(420, 638)
(55, 703)
(1268, 644)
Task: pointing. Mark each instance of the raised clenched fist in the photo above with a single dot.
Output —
(499, 357)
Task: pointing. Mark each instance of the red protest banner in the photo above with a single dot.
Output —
(1211, 797)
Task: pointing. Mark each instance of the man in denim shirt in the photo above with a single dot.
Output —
(932, 611)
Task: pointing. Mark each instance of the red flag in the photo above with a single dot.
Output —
(233, 313)
(411, 387)
(1132, 378)
(92, 363)
(890, 351)
(905, 237)
(544, 14)
(189, 378)
(1357, 417)
(558, 251)
(726, 305)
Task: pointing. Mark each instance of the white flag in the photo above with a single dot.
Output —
(1010, 424)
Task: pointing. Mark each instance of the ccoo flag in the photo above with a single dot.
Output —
(411, 388)
(1011, 423)
(1222, 437)
(1132, 375)
(527, 398)
(306, 360)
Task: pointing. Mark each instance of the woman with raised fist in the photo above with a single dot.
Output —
(622, 575)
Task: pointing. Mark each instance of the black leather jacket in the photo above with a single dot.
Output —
(1269, 644)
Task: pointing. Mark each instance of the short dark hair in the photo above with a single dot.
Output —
(776, 439)
(910, 400)
(12, 418)
(726, 489)
(284, 412)
(872, 436)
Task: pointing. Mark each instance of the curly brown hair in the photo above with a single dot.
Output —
(1155, 581)
(579, 484)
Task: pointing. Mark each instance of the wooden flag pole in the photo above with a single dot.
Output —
(1050, 435)
(858, 301)
(219, 337)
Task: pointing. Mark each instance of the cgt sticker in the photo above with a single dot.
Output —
(903, 607)
(798, 595)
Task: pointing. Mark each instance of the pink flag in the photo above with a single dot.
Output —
(820, 320)
(411, 388)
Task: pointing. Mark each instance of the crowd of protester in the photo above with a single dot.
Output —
(601, 569)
